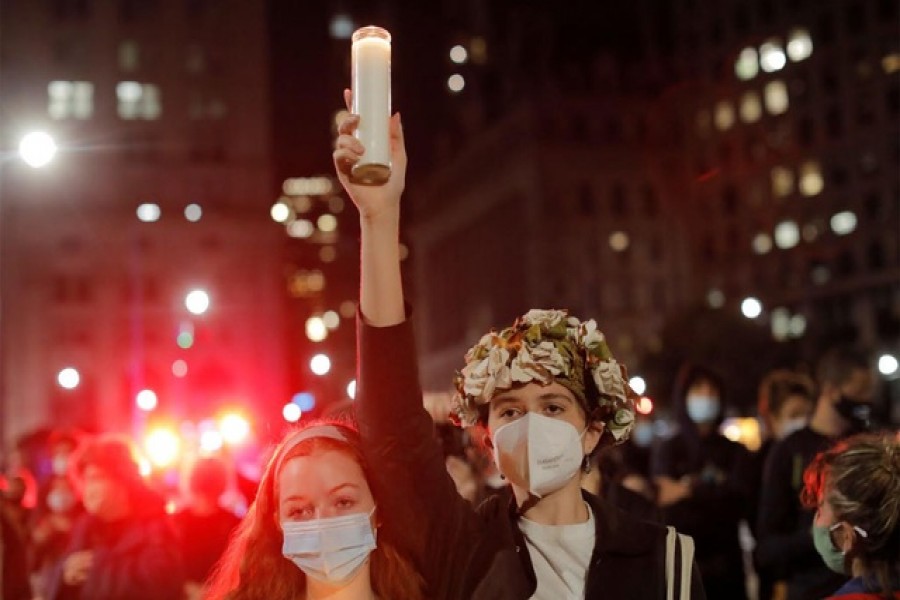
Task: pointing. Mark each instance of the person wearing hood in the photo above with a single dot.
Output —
(846, 389)
(698, 474)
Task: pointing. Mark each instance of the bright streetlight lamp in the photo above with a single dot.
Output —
(37, 149)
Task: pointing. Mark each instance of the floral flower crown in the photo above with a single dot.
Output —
(545, 346)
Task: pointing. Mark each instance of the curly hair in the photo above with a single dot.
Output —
(253, 567)
(860, 479)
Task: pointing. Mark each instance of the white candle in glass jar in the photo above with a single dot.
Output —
(371, 82)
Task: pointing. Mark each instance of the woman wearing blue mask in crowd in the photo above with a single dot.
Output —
(315, 529)
(699, 477)
(549, 394)
(855, 489)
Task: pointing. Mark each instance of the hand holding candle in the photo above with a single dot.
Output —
(371, 84)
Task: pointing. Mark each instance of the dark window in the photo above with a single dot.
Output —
(838, 176)
(830, 81)
(873, 205)
(618, 200)
(834, 122)
(856, 16)
(586, 204)
(729, 200)
(892, 98)
(876, 256)
(766, 11)
(651, 202)
(806, 131)
(846, 263)
(741, 19)
(71, 9)
(826, 30)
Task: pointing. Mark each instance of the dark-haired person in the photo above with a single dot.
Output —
(785, 402)
(316, 528)
(549, 394)
(785, 544)
(854, 488)
(698, 472)
(203, 526)
(124, 547)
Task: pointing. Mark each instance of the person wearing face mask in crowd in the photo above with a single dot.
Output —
(854, 487)
(124, 546)
(316, 528)
(50, 536)
(699, 474)
(845, 386)
(548, 393)
(785, 403)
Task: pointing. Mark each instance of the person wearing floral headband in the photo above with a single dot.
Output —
(549, 393)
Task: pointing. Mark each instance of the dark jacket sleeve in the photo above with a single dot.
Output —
(437, 526)
(781, 540)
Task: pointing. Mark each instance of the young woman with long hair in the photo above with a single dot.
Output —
(315, 529)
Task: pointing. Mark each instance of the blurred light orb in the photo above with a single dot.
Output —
(68, 378)
(37, 149)
(280, 212)
(146, 400)
(459, 54)
(148, 212)
(638, 385)
(331, 319)
(291, 412)
(234, 428)
(316, 330)
(351, 390)
(210, 440)
(320, 364)
(197, 302)
(751, 307)
(162, 446)
(193, 212)
(888, 364)
(456, 83)
(179, 368)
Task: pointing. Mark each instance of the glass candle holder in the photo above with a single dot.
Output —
(371, 85)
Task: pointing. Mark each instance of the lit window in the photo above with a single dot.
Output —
(771, 57)
(782, 181)
(787, 235)
(478, 50)
(327, 223)
(724, 115)
(811, 182)
(70, 99)
(456, 83)
(459, 54)
(891, 62)
(619, 241)
(762, 243)
(747, 64)
(797, 326)
(193, 212)
(129, 56)
(138, 100)
(715, 298)
(781, 323)
(751, 109)
(843, 223)
(776, 97)
(799, 45)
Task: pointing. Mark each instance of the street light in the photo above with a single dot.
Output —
(37, 149)
(197, 302)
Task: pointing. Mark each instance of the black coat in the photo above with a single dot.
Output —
(461, 552)
(136, 559)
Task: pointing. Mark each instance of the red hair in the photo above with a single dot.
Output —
(253, 567)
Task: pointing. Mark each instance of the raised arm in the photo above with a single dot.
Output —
(381, 289)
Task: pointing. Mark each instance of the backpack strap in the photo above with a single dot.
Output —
(685, 544)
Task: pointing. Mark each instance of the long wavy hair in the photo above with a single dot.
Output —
(253, 567)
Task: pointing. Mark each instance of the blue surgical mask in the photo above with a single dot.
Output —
(330, 550)
(702, 408)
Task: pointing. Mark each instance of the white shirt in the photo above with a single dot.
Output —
(560, 555)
